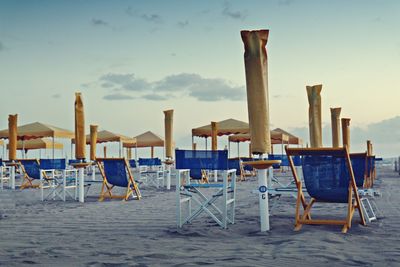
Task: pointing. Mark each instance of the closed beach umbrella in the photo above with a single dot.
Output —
(335, 121)
(93, 141)
(346, 132)
(168, 124)
(255, 60)
(314, 115)
(12, 136)
(80, 137)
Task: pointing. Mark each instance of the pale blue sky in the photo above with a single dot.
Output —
(134, 59)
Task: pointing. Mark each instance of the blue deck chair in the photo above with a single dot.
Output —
(31, 172)
(64, 180)
(132, 163)
(191, 190)
(328, 176)
(151, 171)
(242, 171)
(116, 172)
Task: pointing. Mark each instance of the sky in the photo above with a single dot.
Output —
(133, 59)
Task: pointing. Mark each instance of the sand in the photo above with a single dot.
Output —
(143, 233)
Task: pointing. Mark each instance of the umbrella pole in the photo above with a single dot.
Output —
(229, 148)
(120, 148)
(53, 148)
(238, 149)
(206, 143)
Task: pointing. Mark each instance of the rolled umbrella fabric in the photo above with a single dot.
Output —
(255, 61)
(93, 141)
(168, 124)
(335, 121)
(214, 134)
(12, 136)
(80, 137)
(346, 132)
(314, 115)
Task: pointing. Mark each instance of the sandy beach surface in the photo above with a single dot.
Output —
(144, 233)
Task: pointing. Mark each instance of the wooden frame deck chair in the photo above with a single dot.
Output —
(151, 172)
(194, 198)
(328, 176)
(359, 162)
(116, 172)
(371, 172)
(30, 169)
(64, 180)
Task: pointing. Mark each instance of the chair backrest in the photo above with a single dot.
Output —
(359, 165)
(1, 162)
(115, 172)
(326, 172)
(284, 160)
(132, 163)
(201, 160)
(234, 163)
(31, 167)
(49, 164)
(149, 162)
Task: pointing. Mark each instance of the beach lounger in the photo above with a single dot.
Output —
(151, 172)
(116, 172)
(64, 180)
(328, 177)
(194, 198)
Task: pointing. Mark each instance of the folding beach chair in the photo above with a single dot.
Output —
(64, 180)
(359, 162)
(4, 174)
(151, 171)
(116, 172)
(242, 171)
(328, 177)
(30, 169)
(191, 190)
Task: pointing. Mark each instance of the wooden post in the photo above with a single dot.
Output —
(194, 146)
(105, 151)
(152, 151)
(214, 134)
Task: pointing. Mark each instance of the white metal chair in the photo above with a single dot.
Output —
(189, 191)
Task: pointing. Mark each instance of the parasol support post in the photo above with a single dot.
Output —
(93, 167)
(12, 177)
(168, 164)
(81, 182)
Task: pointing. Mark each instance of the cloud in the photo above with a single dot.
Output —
(123, 81)
(117, 96)
(153, 18)
(183, 24)
(155, 97)
(56, 96)
(99, 22)
(173, 86)
(227, 11)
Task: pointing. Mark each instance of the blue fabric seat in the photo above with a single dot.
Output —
(359, 163)
(328, 177)
(116, 172)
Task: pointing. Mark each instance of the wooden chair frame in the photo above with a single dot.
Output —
(27, 181)
(353, 197)
(106, 188)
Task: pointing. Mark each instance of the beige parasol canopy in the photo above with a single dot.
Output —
(293, 140)
(276, 138)
(225, 127)
(38, 130)
(38, 143)
(105, 136)
(147, 139)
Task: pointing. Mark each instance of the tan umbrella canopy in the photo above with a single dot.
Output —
(293, 140)
(38, 130)
(38, 143)
(147, 139)
(276, 138)
(225, 127)
(105, 136)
